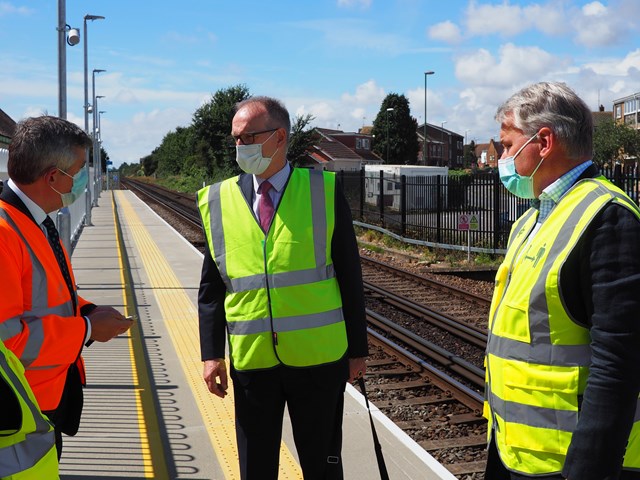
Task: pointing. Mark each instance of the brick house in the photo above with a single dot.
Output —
(337, 150)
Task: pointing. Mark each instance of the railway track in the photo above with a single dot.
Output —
(427, 342)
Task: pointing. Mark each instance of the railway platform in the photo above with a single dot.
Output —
(147, 411)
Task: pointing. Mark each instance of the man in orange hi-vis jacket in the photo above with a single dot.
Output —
(42, 319)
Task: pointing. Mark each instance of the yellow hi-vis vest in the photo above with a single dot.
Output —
(538, 359)
(283, 303)
(27, 449)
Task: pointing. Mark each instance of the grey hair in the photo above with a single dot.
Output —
(40, 143)
(556, 106)
(277, 113)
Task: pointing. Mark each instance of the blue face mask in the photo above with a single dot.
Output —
(517, 184)
(77, 189)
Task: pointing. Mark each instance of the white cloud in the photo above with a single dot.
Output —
(504, 18)
(513, 66)
(616, 66)
(594, 9)
(366, 93)
(354, 3)
(132, 139)
(8, 9)
(447, 32)
(596, 26)
(509, 20)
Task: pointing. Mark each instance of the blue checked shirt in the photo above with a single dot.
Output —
(551, 195)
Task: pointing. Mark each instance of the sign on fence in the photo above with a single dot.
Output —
(468, 222)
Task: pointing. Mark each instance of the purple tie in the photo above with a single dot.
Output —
(265, 207)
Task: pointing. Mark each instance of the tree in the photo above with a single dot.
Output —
(211, 123)
(613, 142)
(104, 159)
(176, 146)
(470, 159)
(395, 131)
(300, 139)
(150, 163)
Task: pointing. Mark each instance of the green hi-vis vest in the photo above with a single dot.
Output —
(537, 357)
(283, 303)
(27, 449)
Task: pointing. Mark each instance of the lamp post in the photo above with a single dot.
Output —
(388, 110)
(442, 139)
(93, 117)
(87, 218)
(425, 157)
(100, 112)
(97, 163)
(71, 37)
(464, 147)
(98, 169)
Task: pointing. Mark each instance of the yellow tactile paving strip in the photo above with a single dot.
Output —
(181, 320)
(155, 465)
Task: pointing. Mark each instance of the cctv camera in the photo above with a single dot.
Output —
(73, 37)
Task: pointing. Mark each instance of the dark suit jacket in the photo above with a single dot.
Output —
(66, 417)
(346, 260)
(600, 284)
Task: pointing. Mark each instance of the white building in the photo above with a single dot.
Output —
(421, 191)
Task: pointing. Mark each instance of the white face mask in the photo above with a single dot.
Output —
(250, 159)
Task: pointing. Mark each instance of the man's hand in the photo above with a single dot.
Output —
(214, 369)
(357, 368)
(106, 323)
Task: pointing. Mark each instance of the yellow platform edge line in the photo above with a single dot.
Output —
(153, 451)
(181, 320)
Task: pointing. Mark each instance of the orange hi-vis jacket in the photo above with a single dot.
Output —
(38, 321)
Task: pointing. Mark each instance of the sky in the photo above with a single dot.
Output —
(333, 59)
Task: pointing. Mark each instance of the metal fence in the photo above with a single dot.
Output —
(472, 212)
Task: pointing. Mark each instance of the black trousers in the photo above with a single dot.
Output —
(315, 400)
(66, 417)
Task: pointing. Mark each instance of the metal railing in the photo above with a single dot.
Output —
(428, 210)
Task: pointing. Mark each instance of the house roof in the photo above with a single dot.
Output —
(331, 149)
(499, 147)
(7, 124)
(599, 117)
(481, 147)
(335, 149)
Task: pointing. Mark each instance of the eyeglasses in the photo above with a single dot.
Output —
(249, 138)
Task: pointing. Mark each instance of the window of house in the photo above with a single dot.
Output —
(618, 111)
(358, 143)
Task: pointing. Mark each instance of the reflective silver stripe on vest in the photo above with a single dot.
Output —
(216, 231)
(541, 350)
(10, 328)
(285, 324)
(26, 454)
(565, 420)
(558, 355)
(39, 277)
(282, 279)
(319, 218)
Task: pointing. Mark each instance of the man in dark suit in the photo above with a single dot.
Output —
(42, 319)
(564, 333)
(282, 274)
